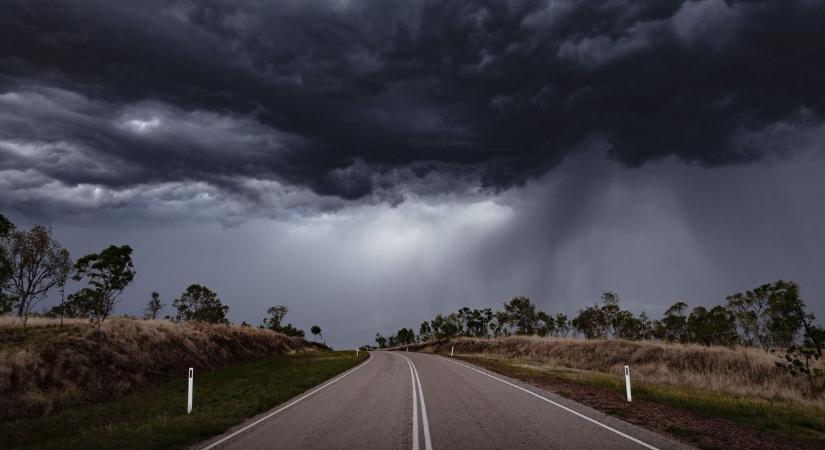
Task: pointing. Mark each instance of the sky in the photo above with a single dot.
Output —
(370, 164)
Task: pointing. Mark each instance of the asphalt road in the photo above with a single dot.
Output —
(412, 400)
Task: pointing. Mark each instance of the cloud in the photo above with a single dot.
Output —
(339, 98)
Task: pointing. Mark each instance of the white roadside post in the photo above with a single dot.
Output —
(356, 352)
(451, 351)
(189, 398)
(627, 382)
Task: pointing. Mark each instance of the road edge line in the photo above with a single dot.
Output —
(334, 380)
(572, 411)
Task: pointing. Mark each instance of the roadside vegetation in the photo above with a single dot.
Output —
(769, 324)
(155, 417)
(48, 367)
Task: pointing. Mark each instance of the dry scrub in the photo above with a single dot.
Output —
(738, 371)
(52, 368)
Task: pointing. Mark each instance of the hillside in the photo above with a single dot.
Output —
(48, 367)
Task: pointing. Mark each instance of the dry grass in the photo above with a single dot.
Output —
(50, 367)
(737, 371)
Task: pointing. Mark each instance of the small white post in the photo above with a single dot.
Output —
(627, 382)
(451, 351)
(189, 398)
(356, 352)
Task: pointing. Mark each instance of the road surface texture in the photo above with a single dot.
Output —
(412, 400)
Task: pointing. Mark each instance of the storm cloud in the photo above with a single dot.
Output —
(379, 160)
(362, 100)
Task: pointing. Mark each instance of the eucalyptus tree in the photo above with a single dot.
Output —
(200, 304)
(36, 263)
(108, 274)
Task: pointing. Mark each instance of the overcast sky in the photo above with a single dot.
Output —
(372, 163)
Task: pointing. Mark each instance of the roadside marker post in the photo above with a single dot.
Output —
(627, 382)
(356, 352)
(451, 351)
(189, 397)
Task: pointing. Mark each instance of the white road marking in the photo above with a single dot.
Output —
(335, 380)
(607, 427)
(415, 408)
(427, 443)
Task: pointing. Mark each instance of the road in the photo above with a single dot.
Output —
(412, 400)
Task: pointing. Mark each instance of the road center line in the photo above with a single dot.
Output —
(607, 427)
(335, 380)
(427, 443)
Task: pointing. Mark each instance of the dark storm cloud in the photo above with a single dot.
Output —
(353, 99)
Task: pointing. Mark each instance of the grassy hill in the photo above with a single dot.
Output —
(48, 367)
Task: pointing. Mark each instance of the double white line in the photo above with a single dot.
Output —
(416, 385)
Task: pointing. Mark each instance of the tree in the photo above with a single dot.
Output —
(546, 324)
(673, 326)
(801, 358)
(289, 330)
(315, 330)
(154, 306)
(276, 316)
(562, 325)
(749, 309)
(77, 305)
(109, 273)
(714, 327)
(445, 327)
(477, 321)
(37, 263)
(199, 304)
(6, 268)
(610, 312)
(500, 325)
(275, 319)
(521, 313)
(425, 332)
(626, 326)
(590, 322)
(405, 336)
(766, 315)
(787, 314)
(380, 340)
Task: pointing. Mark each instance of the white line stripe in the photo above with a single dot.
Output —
(348, 372)
(427, 443)
(415, 408)
(646, 445)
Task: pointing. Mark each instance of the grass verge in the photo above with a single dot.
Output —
(706, 419)
(156, 417)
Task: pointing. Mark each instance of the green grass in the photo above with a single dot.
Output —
(155, 418)
(802, 423)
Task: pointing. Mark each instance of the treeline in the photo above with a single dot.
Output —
(33, 264)
(772, 316)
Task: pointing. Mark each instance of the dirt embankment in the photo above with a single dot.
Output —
(49, 367)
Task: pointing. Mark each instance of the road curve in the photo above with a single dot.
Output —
(456, 405)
